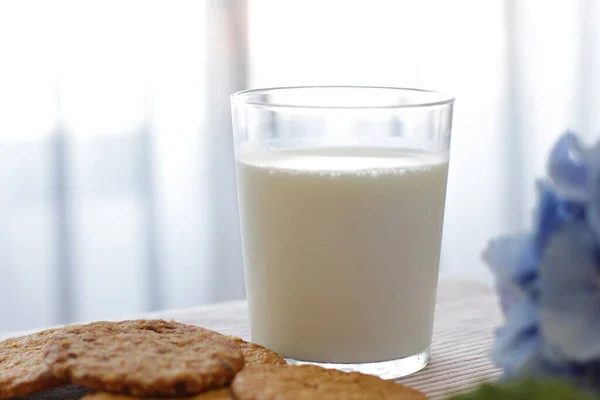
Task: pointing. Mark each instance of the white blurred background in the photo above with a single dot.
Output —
(117, 190)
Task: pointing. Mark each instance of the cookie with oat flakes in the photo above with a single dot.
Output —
(218, 394)
(303, 382)
(256, 354)
(144, 357)
(22, 367)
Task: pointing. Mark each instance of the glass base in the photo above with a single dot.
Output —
(392, 369)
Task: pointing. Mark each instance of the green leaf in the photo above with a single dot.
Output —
(527, 389)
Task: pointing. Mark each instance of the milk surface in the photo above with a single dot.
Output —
(341, 250)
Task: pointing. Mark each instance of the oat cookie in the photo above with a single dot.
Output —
(256, 354)
(291, 382)
(144, 357)
(22, 367)
(218, 394)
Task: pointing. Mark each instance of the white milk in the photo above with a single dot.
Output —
(341, 250)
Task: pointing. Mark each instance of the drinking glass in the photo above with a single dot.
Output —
(341, 193)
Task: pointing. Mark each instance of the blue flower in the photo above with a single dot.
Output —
(548, 280)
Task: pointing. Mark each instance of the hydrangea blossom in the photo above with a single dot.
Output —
(548, 280)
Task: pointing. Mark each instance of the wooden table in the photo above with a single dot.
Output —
(466, 315)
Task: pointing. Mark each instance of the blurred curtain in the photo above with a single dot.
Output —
(117, 190)
(522, 71)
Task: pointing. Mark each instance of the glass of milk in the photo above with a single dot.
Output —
(341, 194)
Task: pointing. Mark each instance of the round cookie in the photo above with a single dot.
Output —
(144, 358)
(218, 394)
(255, 354)
(22, 367)
(303, 382)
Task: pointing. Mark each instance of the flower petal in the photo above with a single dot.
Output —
(567, 168)
(517, 344)
(569, 302)
(504, 256)
(548, 216)
(593, 209)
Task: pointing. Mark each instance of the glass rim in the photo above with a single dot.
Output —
(243, 98)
